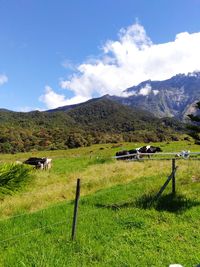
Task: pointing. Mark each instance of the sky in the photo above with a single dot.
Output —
(56, 53)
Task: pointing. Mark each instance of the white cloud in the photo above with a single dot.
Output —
(54, 100)
(128, 61)
(155, 92)
(145, 90)
(3, 79)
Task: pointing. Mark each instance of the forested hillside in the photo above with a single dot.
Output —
(96, 121)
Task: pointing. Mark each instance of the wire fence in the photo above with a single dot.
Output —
(34, 220)
(20, 225)
(32, 231)
(177, 155)
(61, 203)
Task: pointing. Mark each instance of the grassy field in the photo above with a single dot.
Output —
(115, 225)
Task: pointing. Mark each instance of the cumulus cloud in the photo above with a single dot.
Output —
(146, 90)
(54, 100)
(3, 79)
(127, 61)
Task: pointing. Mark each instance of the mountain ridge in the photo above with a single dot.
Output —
(96, 121)
(174, 97)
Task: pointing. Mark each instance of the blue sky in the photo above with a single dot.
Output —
(54, 53)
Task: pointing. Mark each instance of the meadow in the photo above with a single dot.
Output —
(116, 225)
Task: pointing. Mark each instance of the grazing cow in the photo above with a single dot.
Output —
(134, 151)
(149, 149)
(39, 163)
(126, 154)
(47, 164)
(145, 149)
(122, 153)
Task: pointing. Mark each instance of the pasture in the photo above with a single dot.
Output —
(115, 225)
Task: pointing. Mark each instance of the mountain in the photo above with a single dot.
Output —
(174, 97)
(110, 114)
(98, 120)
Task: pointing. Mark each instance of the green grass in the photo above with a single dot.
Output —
(117, 226)
(113, 230)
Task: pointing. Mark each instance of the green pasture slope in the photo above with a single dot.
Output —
(116, 226)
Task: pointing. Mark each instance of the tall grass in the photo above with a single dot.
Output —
(97, 170)
(12, 178)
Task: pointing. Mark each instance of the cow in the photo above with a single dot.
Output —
(47, 164)
(135, 153)
(122, 154)
(39, 163)
(126, 154)
(149, 150)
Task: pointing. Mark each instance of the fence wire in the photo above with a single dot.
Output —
(31, 213)
(32, 231)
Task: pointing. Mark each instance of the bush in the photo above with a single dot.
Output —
(76, 140)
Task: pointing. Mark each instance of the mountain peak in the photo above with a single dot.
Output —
(194, 74)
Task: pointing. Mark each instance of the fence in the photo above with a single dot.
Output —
(140, 156)
(39, 218)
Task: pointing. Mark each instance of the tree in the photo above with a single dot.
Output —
(75, 140)
(195, 126)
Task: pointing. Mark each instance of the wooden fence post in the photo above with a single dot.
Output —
(173, 177)
(76, 209)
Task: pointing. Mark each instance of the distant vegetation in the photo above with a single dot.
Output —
(93, 122)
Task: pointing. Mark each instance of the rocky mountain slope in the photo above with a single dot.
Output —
(175, 97)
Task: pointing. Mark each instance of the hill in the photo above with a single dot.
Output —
(98, 120)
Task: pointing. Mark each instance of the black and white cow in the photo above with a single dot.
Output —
(39, 163)
(126, 154)
(135, 153)
(149, 150)
(122, 154)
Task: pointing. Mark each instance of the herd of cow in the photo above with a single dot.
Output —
(137, 153)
